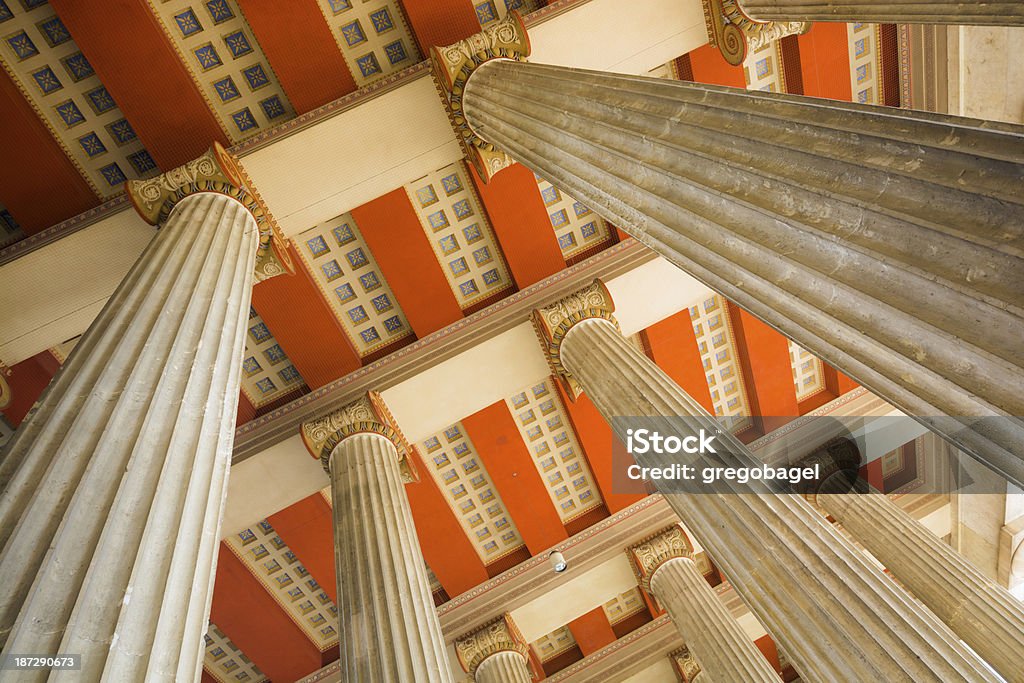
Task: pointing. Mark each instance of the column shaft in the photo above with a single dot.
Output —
(389, 628)
(875, 238)
(724, 651)
(503, 667)
(838, 616)
(115, 484)
(982, 613)
(985, 13)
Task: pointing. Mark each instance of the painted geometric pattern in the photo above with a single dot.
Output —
(553, 644)
(865, 62)
(461, 236)
(10, 231)
(42, 58)
(625, 605)
(762, 68)
(460, 474)
(808, 375)
(576, 227)
(490, 11)
(353, 284)
(372, 35)
(547, 433)
(219, 49)
(267, 373)
(273, 563)
(225, 662)
(721, 363)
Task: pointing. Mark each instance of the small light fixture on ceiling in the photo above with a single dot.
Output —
(558, 562)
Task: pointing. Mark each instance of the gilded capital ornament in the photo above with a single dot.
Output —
(215, 171)
(553, 322)
(5, 391)
(685, 664)
(366, 415)
(499, 635)
(452, 67)
(735, 34)
(652, 552)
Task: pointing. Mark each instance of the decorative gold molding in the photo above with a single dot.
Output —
(452, 67)
(366, 415)
(553, 322)
(498, 635)
(685, 664)
(215, 171)
(654, 551)
(735, 34)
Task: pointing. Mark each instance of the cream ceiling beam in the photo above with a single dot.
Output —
(326, 163)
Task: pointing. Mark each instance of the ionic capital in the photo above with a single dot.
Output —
(839, 458)
(452, 67)
(215, 171)
(553, 322)
(686, 666)
(735, 34)
(652, 552)
(499, 635)
(366, 415)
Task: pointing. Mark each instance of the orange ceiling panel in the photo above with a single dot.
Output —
(38, 183)
(497, 440)
(521, 224)
(446, 548)
(592, 631)
(674, 348)
(308, 529)
(301, 50)
(256, 624)
(767, 369)
(825, 61)
(304, 326)
(709, 66)
(140, 68)
(440, 22)
(396, 238)
(595, 435)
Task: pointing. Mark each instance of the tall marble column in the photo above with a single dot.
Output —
(389, 627)
(495, 653)
(114, 485)
(819, 597)
(665, 568)
(984, 13)
(885, 241)
(981, 612)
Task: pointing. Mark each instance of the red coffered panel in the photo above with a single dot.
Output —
(38, 183)
(301, 50)
(674, 348)
(521, 223)
(142, 71)
(497, 440)
(592, 631)
(304, 326)
(440, 22)
(308, 529)
(767, 369)
(825, 61)
(256, 624)
(395, 236)
(709, 66)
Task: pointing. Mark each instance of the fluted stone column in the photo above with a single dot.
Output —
(664, 567)
(816, 593)
(495, 653)
(887, 242)
(976, 12)
(114, 485)
(981, 612)
(388, 624)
